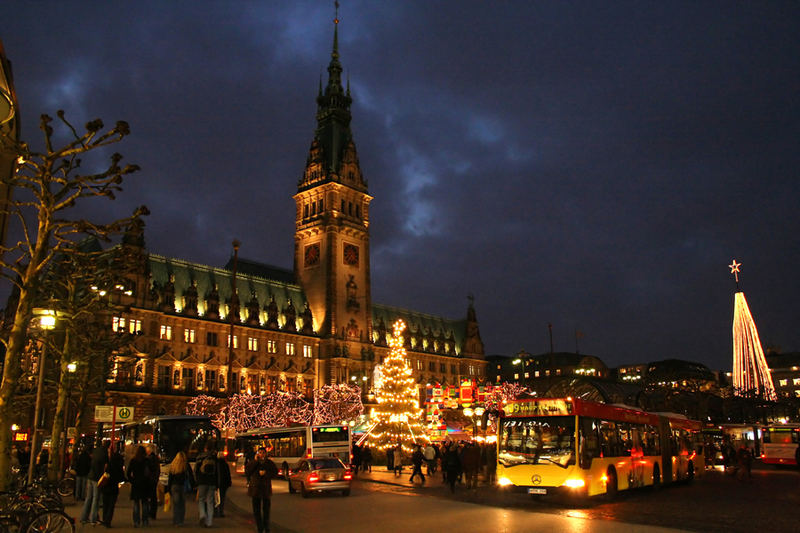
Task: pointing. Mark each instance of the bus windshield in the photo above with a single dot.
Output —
(537, 440)
(187, 435)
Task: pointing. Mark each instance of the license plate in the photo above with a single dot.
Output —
(534, 490)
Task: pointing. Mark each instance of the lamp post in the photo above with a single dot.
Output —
(47, 321)
(71, 368)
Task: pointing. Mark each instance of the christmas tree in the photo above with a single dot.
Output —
(398, 417)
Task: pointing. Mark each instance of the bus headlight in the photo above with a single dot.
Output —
(504, 481)
(575, 483)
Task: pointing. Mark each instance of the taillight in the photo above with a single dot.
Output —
(348, 474)
(313, 476)
(308, 453)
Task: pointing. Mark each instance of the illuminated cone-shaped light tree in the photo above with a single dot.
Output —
(398, 417)
(751, 375)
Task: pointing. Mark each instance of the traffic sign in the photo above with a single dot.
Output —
(103, 413)
(124, 414)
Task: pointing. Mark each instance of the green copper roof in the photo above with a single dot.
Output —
(443, 328)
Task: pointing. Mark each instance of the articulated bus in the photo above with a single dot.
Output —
(288, 445)
(582, 448)
(780, 444)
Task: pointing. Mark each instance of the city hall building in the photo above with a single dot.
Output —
(279, 329)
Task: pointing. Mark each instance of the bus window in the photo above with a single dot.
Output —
(590, 444)
(609, 440)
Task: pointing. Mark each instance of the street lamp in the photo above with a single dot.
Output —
(71, 368)
(47, 321)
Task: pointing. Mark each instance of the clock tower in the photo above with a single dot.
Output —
(331, 260)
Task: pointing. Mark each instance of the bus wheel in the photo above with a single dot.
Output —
(690, 473)
(611, 484)
(292, 490)
(656, 477)
(303, 490)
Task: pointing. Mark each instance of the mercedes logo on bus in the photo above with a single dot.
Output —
(536, 479)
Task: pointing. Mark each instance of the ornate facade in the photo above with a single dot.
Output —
(290, 330)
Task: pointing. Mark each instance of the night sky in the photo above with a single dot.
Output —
(594, 165)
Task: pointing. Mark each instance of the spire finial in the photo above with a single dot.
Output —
(734, 266)
(336, 12)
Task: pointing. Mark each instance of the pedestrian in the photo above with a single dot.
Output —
(110, 489)
(451, 465)
(24, 456)
(417, 458)
(491, 464)
(180, 482)
(356, 458)
(471, 464)
(223, 482)
(260, 472)
(745, 462)
(390, 459)
(139, 477)
(81, 465)
(398, 460)
(41, 462)
(430, 458)
(97, 467)
(205, 472)
(154, 467)
(366, 459)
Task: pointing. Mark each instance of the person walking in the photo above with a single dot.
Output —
(430, 458)
(745, 462)
(154, 468)
(417, 458)
(471, 464)
(139, 477)
(205, 472)
(81, 465)
(223, 481)
(398, 460)
(491, 464)
(356, 459)
(97, 467)
(366, 459)
(180, 482)
(451, 465)
(110, 490)
(260, 472)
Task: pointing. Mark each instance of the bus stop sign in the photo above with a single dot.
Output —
(124, 414)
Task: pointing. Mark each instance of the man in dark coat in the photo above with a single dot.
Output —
(83, 461)
(224, 482)
(206, 475)
(110, 491)
(154, 466)
(260, 472)
(417, 458)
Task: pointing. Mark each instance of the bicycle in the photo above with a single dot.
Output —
(25, 512)
(66, 486)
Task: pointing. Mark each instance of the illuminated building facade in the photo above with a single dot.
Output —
(785, 372)
(293, 330)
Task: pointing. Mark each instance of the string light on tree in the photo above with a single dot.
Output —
(397, 419)
(751, 376)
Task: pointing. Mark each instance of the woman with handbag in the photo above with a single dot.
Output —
(179, 483)
(110, 489)
(139, 476)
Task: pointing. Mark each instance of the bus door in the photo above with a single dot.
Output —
(667, 448)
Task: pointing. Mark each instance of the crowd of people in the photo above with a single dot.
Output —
(99, 471)
(459, 462)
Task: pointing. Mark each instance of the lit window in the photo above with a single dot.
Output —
(783, 382)
(536, 374)
(420, 365)
(516, 376)
(289, 348)
(189, 335)
(272, 347)
(308, 351)
(252, 344)
(166, 333)
(526, 375)
(134, 326)
(797, 393)
(796, 381)
(558, 372)
(235, 341)
(118, 323)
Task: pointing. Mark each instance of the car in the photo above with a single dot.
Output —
(320, 475)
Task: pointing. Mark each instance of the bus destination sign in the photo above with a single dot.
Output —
(539, 408)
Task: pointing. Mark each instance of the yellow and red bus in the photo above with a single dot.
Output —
(583, 448)
(780, 444)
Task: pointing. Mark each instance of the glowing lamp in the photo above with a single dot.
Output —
(504, 481)
(575, 483)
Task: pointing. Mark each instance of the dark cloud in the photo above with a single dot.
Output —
(590, 166)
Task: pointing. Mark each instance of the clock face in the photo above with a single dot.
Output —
(312, 255)
(350, 255)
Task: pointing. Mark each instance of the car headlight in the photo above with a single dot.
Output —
(504, 481)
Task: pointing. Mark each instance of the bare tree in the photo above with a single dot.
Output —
(46, 187)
